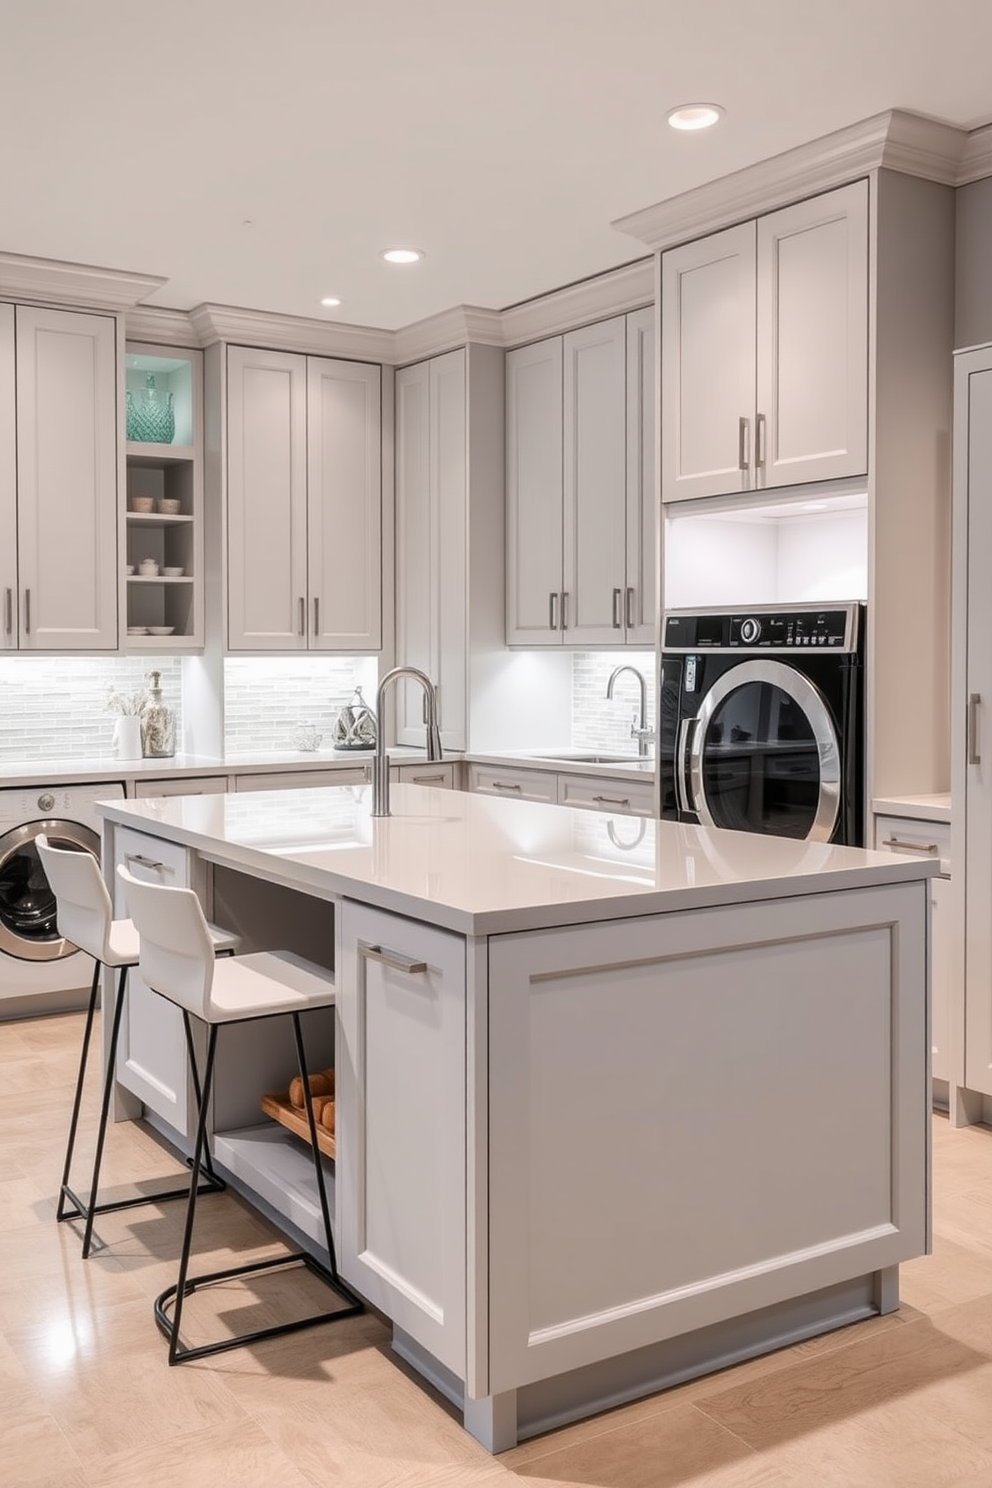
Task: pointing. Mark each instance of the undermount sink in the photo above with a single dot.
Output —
(567, 757)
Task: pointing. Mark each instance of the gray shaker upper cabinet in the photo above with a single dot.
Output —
(579, 484)
(765, 351)
(59, 584)
(304, 503)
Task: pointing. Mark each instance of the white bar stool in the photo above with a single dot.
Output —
(85, 918)
(177, 962)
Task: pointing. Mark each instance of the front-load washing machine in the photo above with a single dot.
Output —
(39, 971)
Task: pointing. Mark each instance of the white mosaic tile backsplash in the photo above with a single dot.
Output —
(54, 707)
(266, 698)
(599, 724)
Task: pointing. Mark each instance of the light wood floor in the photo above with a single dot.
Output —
(87, 1400)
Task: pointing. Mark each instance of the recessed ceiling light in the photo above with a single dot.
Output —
(402, 255)
(330, 301)
(695, 115)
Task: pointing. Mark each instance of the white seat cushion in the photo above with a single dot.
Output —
(267, 982)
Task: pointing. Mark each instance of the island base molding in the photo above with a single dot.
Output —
(499, 1422)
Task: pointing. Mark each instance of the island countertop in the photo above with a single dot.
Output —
(480, 866)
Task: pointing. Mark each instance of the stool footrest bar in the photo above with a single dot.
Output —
(178, 1353)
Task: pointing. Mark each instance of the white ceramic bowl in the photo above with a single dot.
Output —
(161, 629)
(129, 570)
(173, 573)
(137, 630)
(170, 506)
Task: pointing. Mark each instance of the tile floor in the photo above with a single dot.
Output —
(87, 1401)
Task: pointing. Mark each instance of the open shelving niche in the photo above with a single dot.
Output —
(171, 472)
(801, 545)
(262, 1157)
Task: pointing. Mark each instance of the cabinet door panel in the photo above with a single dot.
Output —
(534, 492)
(707, 368)
(266, 500)
(8, 484)
(594, 478)
(641, 600)
(67, 479)
(812, 368)
(976, 458)
(344, 505)
(414, 568)
(401, 1124)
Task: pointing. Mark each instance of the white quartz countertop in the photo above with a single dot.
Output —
(45, 771)
(481, 865)
(922, 808)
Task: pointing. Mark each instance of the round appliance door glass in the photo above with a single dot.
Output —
(28, 919)
(763, 754)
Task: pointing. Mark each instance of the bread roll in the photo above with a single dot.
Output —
(320, 1084)
(327, 1116)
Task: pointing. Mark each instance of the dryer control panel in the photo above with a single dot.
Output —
(832, 628)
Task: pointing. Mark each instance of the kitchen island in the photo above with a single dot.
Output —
(619, 1101)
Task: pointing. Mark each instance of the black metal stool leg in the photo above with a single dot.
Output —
(186, 1284)
(171, 1327)
(64, 1192)
(318, 1166)
(108, 1086)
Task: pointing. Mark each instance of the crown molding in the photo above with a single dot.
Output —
(159, 326)
(438, 333)
(897, 140)
(976, 162)
(290, 333)
(612, 293)
(83, 285)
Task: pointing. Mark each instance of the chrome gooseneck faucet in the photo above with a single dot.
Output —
(639, 730)
(380, 765)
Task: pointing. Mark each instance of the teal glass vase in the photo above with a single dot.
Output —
(151, 418)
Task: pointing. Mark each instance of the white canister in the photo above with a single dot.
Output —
(127, 736)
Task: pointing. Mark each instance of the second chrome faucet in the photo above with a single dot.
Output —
(639, 728)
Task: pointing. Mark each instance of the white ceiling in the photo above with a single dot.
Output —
(260, 153)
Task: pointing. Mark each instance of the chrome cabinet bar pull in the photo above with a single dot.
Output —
(612, 800)
(564, 609)
(427, 779)
(506, 785)
(142, 861)
(617, 620)
(743, 441)
(759, 442)
(897, 845)
(395, 960)
(303, 616)
(8, 612)
(27, 612)
(552, 611)
(316, 617)
(630, 609)
(974, 703)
